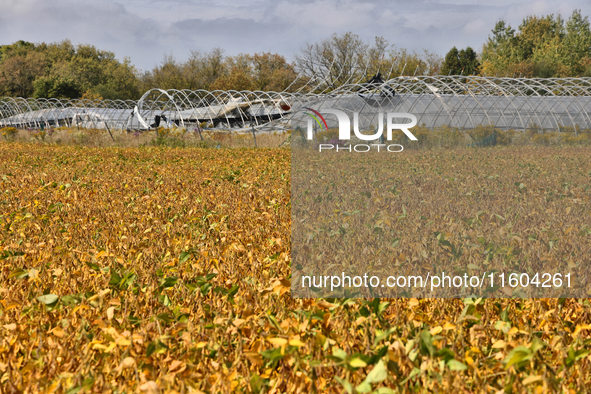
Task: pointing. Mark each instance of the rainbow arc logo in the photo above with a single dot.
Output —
(316, 117)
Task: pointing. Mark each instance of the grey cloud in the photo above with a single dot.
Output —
(145, 30)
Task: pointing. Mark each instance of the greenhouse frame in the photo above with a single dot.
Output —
(462, 102)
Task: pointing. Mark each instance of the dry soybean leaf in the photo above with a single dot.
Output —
(177, 366)
(10, 327)
(238, 322)
(128, 362)
(436, 330)
(150, 387)
(33, 273)
(296, 342)
(278, 342)
(254, 358)
(513, 331)
(281, 286)
(531, 379)
(110, 313)
(12, 305)
(499, 344)
(101, 294)
(325, 305)
(58, 332)
(581, 327)
(122, 342)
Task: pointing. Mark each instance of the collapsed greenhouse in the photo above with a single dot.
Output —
(458, 101)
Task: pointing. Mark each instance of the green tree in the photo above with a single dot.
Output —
(65, 71)
(463, 62)
(240, 74)
(542, 47)
(168, 75)
(19, 71)
(469, 61)
(18, 48)
(237, 79)
(497, 52)
(212, 71)
(576, 45)
(271, 72)
(202, 70)
(58, 51)
(121, 82)
(537, 36)
(57, 87)
(451, 64)
(402, 62)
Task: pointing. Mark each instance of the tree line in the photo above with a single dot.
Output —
(63, 70)
(546, 46)
(543, 47)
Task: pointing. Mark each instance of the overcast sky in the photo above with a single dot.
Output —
(146, 30)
